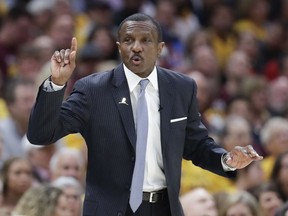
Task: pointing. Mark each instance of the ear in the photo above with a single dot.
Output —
(160, 48)
(118, 45)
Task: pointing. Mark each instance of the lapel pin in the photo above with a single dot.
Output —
(123, 101)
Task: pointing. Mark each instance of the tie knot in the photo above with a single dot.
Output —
(143, 84)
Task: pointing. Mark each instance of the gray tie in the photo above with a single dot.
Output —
(141, 143)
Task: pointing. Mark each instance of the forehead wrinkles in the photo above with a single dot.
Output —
(135, 26)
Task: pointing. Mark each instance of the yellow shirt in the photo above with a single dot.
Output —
(3, 109)
(74, 141)
(267, 165)
(193, 176)
(223, 48)
(247, 25)
(82, 23)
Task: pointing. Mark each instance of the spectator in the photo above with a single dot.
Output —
(166, 15)
(45, 46)
(186, 22)
(16, 176)
(248, 43)
(19, 95)
(250, 177)
(128, 8)
(241, 135)
(277, 96)
(232, 136)
(43, 200)
(274, 136)
(269, 198)
(272, 50)
(61, 30)
(42, 12)
(104, 39)
(39, 158)
(279, 174)
(62, 7)
(253, 18)
(198, 202)
(194, 40)
(68, 162)
(100, 13)
(204, 96)
(204, 60)
(240, 203)
(239, 106)
(223, 38)
(15, 31)
(255, 90)
(73, 191)
(28, 62)
(96, 13)
(237, 69)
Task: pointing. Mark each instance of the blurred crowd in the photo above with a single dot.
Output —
(235, 50)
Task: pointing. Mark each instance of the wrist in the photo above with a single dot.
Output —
(52, 85)
(224, 160)
(55, 82)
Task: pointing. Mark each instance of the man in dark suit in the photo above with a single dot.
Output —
(102, 107)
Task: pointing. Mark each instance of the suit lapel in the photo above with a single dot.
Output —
(121, 94)
(166, 96)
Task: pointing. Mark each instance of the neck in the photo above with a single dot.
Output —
(11, 199)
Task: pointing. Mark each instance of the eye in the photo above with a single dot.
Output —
(127, 40)
(147, 40)
(66, 167)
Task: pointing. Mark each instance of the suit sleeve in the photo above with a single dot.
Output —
(51, 118)
(199, 147)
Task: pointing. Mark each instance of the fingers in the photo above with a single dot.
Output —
(63, 56)
(74, 44)
(249, 151)
(66, 56)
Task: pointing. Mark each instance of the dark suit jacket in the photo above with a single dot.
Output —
(93, 109)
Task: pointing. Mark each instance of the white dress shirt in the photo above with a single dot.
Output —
(154, 178)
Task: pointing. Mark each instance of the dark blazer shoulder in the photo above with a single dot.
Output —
(175, 78)
(102, 76)
(96, 77)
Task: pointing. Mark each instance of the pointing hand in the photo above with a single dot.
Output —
(63, 64)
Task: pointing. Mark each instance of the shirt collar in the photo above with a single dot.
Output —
(134, 79)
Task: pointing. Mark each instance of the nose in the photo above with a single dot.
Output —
(137, 47)
(25, 178)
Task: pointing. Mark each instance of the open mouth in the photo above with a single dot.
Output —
(137, 59)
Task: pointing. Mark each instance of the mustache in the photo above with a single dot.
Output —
(136, 57)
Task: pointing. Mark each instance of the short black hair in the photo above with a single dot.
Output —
(142, 17)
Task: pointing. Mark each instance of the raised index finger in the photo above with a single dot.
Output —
(74, 44)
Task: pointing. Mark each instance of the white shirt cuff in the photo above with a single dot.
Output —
(225, 166)
(49, 86)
